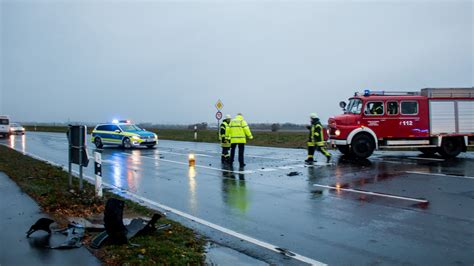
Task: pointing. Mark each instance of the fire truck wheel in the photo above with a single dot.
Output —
(344, 149)
(428, 151)
(362, 146)
(451, 147)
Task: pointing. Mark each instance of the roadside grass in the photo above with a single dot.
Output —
(48, 185)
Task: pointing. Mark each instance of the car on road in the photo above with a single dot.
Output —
(17, 129)
(4, 126)
(124, 134)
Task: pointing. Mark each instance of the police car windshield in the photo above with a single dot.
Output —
(354, 106)
(129, 128)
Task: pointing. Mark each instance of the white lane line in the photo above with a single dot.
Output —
(197, 166)
(286, 167)
(195, 219)
(247, 155)
(184, 154)
(267, 170)
(427, 159)
(372, 193)
(438, 174)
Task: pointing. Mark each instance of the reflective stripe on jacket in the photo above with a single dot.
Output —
(239, 130)
(223, 134)
(316, 137)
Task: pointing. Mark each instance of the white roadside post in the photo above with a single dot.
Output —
(195, 132)
(98, 173)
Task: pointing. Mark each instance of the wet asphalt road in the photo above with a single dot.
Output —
(333, 227)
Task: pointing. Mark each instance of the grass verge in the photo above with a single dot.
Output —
(48, 185)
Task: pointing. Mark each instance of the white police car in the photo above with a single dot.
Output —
(124, 134)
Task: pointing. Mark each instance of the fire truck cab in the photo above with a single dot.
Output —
(432, 120)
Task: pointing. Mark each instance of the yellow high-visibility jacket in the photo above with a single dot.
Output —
(239, 130)
(316, 137)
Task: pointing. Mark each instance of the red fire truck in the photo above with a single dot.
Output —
(432, 120)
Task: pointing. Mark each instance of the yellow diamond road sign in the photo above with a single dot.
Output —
(219, 105)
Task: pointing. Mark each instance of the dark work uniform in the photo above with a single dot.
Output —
(316, 141)
(225, 141)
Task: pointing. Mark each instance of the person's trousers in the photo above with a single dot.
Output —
(241, 152)
(321, 149)
(225, 154)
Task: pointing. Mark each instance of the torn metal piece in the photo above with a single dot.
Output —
(137, 227)
(75, 233)
(150, 227)
(42, 224)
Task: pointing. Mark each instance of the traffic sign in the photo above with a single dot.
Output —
(218, 115)
(219, 105)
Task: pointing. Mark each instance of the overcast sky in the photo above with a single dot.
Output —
(274, 61)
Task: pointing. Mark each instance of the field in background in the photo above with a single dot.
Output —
(282, 139)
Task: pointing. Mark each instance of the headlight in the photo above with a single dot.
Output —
(156, 136)
(135, 137)
(338, 132)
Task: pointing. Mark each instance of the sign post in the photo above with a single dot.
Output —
(219, 105)
(77, 151)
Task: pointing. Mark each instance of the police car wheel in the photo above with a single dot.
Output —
(126, 143)
(98, 143)
(150, 146)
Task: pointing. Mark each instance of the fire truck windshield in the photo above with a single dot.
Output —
(354, 106)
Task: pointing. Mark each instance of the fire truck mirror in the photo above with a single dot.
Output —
(342, 104)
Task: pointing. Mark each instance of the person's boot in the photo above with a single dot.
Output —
(309, 161)
(328, 159)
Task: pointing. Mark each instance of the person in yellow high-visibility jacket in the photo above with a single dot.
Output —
(224, 139)
(316, 140)
(238, 133)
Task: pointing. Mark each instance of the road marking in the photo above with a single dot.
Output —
(286, 167)
(438, 174)
(372, 193)
(194, 218)
(247, 155)
(221, 228)
(427, 159)
(184, 154)
(197, 166)
(266, 170)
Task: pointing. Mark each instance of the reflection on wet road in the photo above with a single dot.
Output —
(335, 226)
